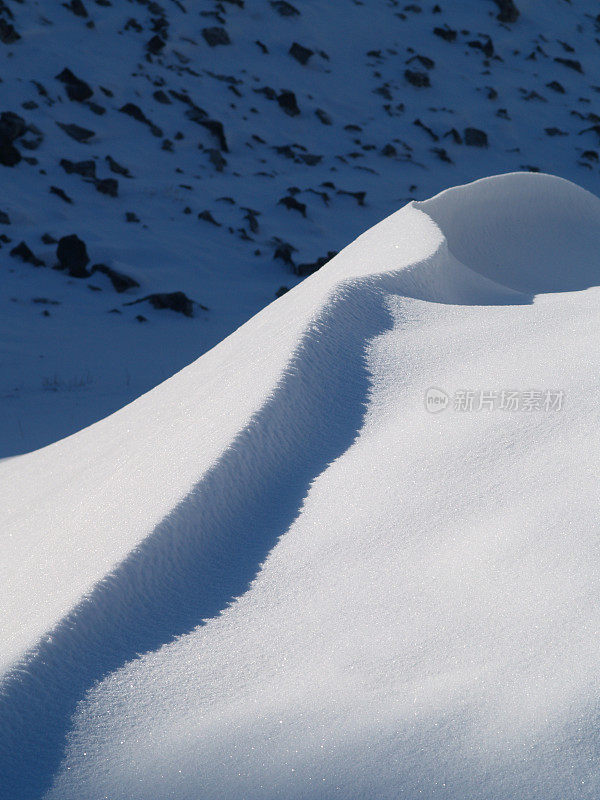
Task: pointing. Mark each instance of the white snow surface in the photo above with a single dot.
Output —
(278, 575)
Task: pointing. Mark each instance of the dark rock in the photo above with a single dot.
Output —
(9, 155)
(486, 47)
(77, 7)
(323, 116)
(208, 217)
(8, 34)
(310, 159)
(555, 132)
(475, 138)
(131, 216)
(457, 138)
(24, 253)
(155, 45)
(446, 33)
(556, 87)
(216, 36)
(141, 318)
(268, 92)
(96, 108)
(109, 186)
(418, 79)
(358, 196)
(85, 168)
(283, 252)
(284, 8)
(216, 159)
(424, 61)
(136, 112)
(72, 255)
(77, 89)
(48, 239)
(60, 193)
(216, 128)
(161, 97)
(117, 168)
(12, 126)
(119, 280)
(287, 101)
(389, 151)
(76, 132)
(262, 46)
(427, 129)
(292, 204)
(508, 11)
(175, 301)
(571, 63)
(308, 269)
(4, 218)
(281, 291)
(301, 53)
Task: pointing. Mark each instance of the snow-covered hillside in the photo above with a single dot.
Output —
(222, 150)
(282, 573)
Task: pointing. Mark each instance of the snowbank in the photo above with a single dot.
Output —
(278, 575)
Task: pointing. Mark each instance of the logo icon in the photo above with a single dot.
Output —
(436, 400)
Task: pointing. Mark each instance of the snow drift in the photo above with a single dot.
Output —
(277, 575)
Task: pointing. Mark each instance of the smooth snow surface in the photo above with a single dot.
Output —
(278, 575)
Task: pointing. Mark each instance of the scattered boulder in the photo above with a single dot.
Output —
(4, 218)
(323, 116)
(571, 63)
(284, 8)
(117, 168)
(120, 281)
(155, 45)
(300, 53)
(292, 204)
(287, 101)
(216, 128)
(86, 169)
(475, 138)
(308, 269)
(508, 11)
(9, 155)
(61, 193)
(136, 112)
(77, 89)
(24, 253)
(447, 34)
(208, 217)
(8, 34)
(418, 79)
(161, 97)
(12, 126)
(72, 256)
(175, 301)
(215, 36)
(77, 7)
(76, 132)
(109, 186)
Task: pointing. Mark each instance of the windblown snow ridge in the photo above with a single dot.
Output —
(498, 241)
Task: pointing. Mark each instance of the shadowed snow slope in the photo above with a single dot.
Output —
(278, 575)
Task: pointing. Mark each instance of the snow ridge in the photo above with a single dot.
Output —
(209, 549)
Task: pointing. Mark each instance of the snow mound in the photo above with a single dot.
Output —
(277, 574)
(533, 233)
